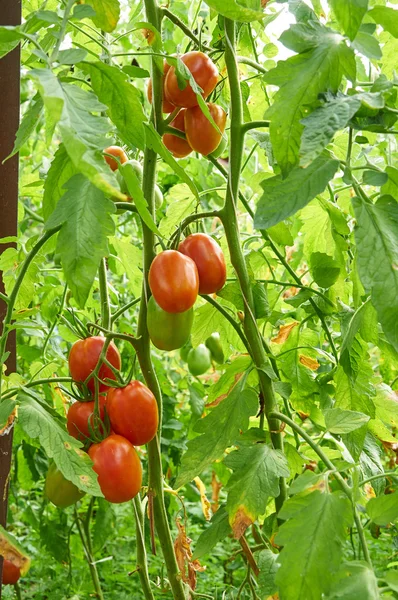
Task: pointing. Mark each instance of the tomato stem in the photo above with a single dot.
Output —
(86, 543)
(141, 550)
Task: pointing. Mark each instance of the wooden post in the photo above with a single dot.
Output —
(10, 14)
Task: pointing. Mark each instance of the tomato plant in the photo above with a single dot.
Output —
(205, 74)
(168, 331)
(177, 146)
(209, 260)
(174, 281)
(118, 467)
(59, 490)
(80, 421)
(201, 134)
(133, 412)
(84, 357)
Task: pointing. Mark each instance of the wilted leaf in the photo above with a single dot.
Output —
(203, 498)
(310, 363)
(284, 332)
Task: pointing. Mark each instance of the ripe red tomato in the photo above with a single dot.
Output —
(11, 573)
(201, 134)
(118, 467)
(167, 107)
(119, 153)
(204, 72)
(209, 260)
(83, 358)
(79, 415)
(133, 412)
(174, 281)
(177, 146)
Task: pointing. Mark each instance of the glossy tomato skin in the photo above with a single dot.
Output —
(11, 573)
(133, 412)
(119, 153)
(168, 331)
(203, 70)
(118, 467)
(209, 260)
(174, 281)
(167, 107)
(59, 490)
(83, 359)
(201, 135)
(79, 415)
(177, 146)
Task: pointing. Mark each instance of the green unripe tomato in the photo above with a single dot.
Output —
(199, 360)
(220, 148)
(185, 350)
(139, 172)
(59, 490)
(214, 345)
(168, 331)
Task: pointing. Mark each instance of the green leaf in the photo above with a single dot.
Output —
(218, 530)
(85, 215)
(391, 578)
(122, 99)
(154, 141)
(130, 258)
(257, 469)
(284, 197)
(321, 125)
(355, 394)
(107, 13)
(305, 480)
(391, 186)
(324, 269)
(387, 17)
(383, 509)
(355, 580)
(180, 204)
(238, 10)
(323, 60)
(60, 171)
(312, 540)
(377, 259)
(28, 124)
(208, 319)
(71, 56)
(343, 421)
(6, 408)
(367, 45)
(268, 569)
(376, 178)
(74, 464)
(9, 39)
(281, 235)
(135, 191)
(349, 14)
(219, 429)
(351, 351)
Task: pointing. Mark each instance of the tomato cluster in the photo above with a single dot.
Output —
(128, 417)
(176, 277)
(201, 135)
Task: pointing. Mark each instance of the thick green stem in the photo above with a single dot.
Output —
(230, 222)
(142, 566)
(64, 25)
(17, 286)
(254, 125)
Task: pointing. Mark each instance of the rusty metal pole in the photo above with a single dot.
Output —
(10, 14)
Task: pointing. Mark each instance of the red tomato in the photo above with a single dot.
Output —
(209, 260)
(201, 134)
(11, 573)
(133, 412)
(83, 359)
(118, 467)
(174, 281)
(119, 153)
(204, 72)
(177, 146)
(167, 107)
(79, 415)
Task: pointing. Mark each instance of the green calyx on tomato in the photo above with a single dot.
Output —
(168, 331)
(139, 172)
(59, 490)
(214, 345)
(199, 360)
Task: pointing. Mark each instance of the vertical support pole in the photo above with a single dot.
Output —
(10, 14)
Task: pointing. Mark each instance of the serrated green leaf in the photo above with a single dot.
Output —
(107, 13)
(383, 509)
(377, 258)
(284, 197)
(243, 11)
(355, 580)
(350, 14)
(180, 204)
(219, 429)
(74, 464)
(376, 178)
(28, 124)
(71, 56)
(312, 540)
(387, 17)
(324, 269)
(134, 187)
(323, 60)
(85, 215)
(217, 531)
(130, 258)
(9, 39)
(60, 171)
(208, 319)
(367, 45)
(344, 421)
(268, 568)
(122, 99)
(257, 470)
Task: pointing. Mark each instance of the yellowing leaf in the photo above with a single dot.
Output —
(241, 521)
(203, 498)
(309, 362)
(284, 333)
